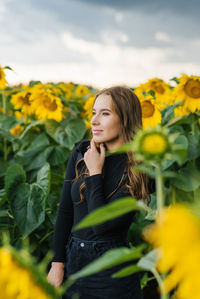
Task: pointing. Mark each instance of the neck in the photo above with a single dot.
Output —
(113, 146)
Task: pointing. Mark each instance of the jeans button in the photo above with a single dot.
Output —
(82, 244)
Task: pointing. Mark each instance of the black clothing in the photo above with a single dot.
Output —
(101, 285)
(97, 193)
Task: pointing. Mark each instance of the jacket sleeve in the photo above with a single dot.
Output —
(64, 220)
(96, 199)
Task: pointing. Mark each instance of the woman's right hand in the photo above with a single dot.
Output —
(56, 274)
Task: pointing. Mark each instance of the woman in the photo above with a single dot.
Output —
(93, 180)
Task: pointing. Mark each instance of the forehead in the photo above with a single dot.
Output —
(103, 101)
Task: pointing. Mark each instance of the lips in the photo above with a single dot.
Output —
(96, 131)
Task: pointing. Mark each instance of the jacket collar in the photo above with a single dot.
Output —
(115, 167)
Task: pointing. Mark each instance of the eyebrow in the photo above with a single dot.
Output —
(102, 109)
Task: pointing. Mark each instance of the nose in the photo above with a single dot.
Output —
(94, 120)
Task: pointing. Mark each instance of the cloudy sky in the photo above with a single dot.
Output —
(99, 42)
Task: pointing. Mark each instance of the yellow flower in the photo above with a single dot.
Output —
(81, 91)
(17, 130)
(181, 111)
(16, 281)
(3, 81)
(161, 89)
(21, 100)
(46, 104)
(176, 233)
(154, 144)
(151, 115)
(188, 90)
(66, 89)
(87, 113)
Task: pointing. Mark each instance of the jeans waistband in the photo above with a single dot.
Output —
(114, 240)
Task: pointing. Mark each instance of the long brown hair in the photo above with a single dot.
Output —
(127, 106)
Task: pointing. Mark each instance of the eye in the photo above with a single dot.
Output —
(104, 113)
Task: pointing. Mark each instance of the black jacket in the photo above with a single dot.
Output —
(99, 191)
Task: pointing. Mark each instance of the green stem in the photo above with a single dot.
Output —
(46, 236)
(161, 285)
(4, 103)
(193, 126)
(159, 188)
(5, 151)
(173, 196)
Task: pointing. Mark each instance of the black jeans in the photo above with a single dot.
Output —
(79, 253)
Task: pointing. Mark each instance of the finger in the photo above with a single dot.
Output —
(102, 150)
(92, 143)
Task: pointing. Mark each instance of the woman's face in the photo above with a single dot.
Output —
(106, 122)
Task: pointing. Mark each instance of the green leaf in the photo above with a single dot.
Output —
(8, 68)
(149, 261)
(109, 259)
(2, 197)
(15, 176)
(4, 213)
(4, 165)
(188, 179)
(29, 127)
(181, 149)
(38, 143)
(75, 131)
(175, 80)
(59, 155)
(127, 271)
(51, 126)
(70, 132)
(194, 147)
(108, 212)
(43, 178)
(27, 205)
(38, 160)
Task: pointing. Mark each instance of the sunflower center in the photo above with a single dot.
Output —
(147, 109)
(154, 144)
(49, 104)
(26, 99)
(192, 88)
(158, 88)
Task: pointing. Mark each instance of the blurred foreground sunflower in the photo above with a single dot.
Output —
(16, 281)
(176, 233)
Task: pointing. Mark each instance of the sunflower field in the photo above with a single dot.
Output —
(39, 124)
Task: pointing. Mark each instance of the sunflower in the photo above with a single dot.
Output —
(181, 111)
(81, 91)
(3, 81)
(188, 90)
(151, 115)
(176, 233)
(17, 130)
(159, 87)
(153, 144)
(66, 89)
(46, 104)
(11, 286)
(87, 106)
(21, 100)
(47, 87)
